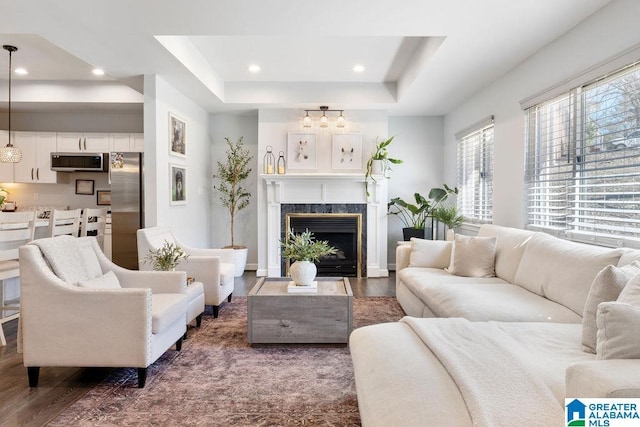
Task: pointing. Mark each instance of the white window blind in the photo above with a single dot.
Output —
(475, 174)
(582, 168)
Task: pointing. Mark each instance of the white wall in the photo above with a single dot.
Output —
(273, 127)
(234, 126)
(418, 143)
(605, 34)
(190, 222)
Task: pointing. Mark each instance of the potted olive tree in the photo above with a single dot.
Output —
(414, 215)
(233, 195)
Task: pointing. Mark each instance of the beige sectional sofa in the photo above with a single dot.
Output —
(472, 349)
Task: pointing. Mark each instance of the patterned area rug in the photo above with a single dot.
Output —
(219, 380)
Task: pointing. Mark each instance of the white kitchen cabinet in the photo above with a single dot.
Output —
(137, 142)
(126, 142)
(36, 157)
(6, 169)
(119, 142)
(89, 142)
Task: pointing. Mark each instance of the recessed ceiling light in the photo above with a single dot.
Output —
(21, 71)
(254, 68)
(358, 68)
(98, 72)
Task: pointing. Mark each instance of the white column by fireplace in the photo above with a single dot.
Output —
(334, 188)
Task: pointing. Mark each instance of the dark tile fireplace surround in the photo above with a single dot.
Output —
(341, 231)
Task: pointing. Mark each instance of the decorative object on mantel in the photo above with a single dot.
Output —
(324, 120)
(304, 250)
(232, 174)
(378, 163)
(10, 153)
(269, 161)
(282, 163)
(166, 258)
(414, 216)
(347, 151)
(301, 150)
(450, 217)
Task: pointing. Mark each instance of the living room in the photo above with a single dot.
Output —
(534, 55)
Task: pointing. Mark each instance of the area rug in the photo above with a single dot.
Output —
(219, 380)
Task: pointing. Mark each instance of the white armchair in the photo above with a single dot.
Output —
(80, 309)
(213, 267)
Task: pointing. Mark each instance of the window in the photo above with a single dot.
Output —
(582, 168)
(475, 172)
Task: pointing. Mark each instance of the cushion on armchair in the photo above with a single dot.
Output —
(67, 260)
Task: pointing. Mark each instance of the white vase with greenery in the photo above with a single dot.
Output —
(167, 257)
(304, 250)
(233, 195)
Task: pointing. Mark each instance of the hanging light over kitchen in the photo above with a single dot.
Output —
(10, 153)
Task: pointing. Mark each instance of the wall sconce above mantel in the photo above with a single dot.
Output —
(324, 120)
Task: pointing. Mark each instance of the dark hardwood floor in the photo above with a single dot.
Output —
(60, 387)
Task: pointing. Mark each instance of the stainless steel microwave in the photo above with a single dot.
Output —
(72, 162)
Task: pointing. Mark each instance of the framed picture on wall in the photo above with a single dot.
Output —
(103, 197)
(177, 136)
(301, 151)
(346, 152)
(84, 186)
(178, 174)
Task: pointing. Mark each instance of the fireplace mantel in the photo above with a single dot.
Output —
(328, 188)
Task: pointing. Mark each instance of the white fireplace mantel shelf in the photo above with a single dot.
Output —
(357, 177)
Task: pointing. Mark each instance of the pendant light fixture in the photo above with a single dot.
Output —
(10, 153)
(324, 120)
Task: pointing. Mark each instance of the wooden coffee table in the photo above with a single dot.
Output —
(275, 316)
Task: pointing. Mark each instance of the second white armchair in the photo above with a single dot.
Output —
(213, 267)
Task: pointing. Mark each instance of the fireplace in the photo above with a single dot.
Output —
(319, 194)
(343, 231)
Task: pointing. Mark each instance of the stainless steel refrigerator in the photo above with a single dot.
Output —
(127, 206)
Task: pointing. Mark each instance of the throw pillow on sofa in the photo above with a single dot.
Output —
(606, 286)
(618, 325)
(473, 256)
(631, 292)
(430, 253)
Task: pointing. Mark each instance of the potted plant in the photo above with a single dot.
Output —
(450, 217)
(378, 163)
(304, 250)
(232, 174)
(166, 257)
(414, 215)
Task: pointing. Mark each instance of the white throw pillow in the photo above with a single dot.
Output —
(618, 326)
(606, 286)
(430, 253)
(473, 256)
(631, 292)
(106, 281)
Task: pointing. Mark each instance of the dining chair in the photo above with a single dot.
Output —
(64, 222)
(94, 221)
(16, 229)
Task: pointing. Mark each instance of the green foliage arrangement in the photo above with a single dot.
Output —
(3, 195)
(415, 215)
(380, 153)
(304, 247)
(449, 216)
(166, 258)
(232, 174)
